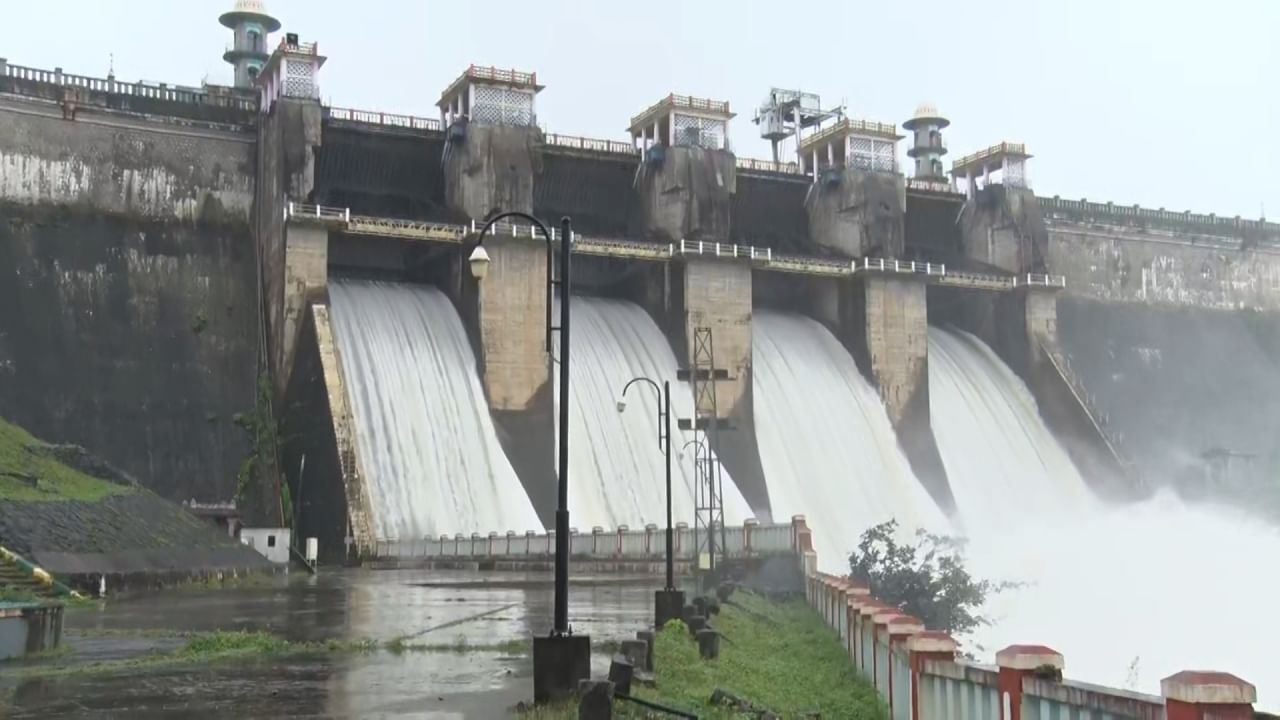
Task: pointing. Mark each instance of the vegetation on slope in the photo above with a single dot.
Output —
(31, 471)
(777, 654)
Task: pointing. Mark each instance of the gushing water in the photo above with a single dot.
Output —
(616, 466)
(1121, 590)
(1000, 457)
(433, 461)
(827, 447)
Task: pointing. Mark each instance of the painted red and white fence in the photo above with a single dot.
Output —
(920, 677)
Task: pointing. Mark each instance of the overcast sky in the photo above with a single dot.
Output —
(1167, 103)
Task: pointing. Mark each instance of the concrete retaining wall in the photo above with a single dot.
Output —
(128, 293)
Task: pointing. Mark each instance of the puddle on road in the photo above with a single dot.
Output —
(348, 605)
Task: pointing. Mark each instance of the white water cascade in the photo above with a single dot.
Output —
(1116, 588)
(827, 447)
(616, 467)
(999, 456)
(433, 461)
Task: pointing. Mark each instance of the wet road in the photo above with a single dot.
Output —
(351, 605)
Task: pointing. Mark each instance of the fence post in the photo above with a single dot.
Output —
(923, 647)
(1197, 695)
(1016, 662)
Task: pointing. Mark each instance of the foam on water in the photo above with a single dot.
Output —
(827, 447)
(616, 467)
(1128, 593)
(433, 461)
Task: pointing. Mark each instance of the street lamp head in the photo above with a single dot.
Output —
(479, 262)
(622, 405)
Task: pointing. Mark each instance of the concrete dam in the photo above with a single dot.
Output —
(944, 347)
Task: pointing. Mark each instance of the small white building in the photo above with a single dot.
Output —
(272, 543)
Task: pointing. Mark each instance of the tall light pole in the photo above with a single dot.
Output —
(668, 603)
(560, 659)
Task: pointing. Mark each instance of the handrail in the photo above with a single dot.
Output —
(788, 168)
(1062, 365)
(1057, 205)
(1010, 148)
(229, 97)
(850, 125)
(683, 101)
(646, 250)
(591, 144)
(371, 117)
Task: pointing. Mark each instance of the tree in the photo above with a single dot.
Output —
(927, 580)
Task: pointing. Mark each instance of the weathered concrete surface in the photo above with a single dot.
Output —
(319, 453)
(306, 273)
(341, 506)
(287, 138)
(128, 319)
(884, 322)
(123, 164)
(490, 170)
(595, 191)
(506, 316)
(717, 295)
(1002, 227)
(856, 213)
(1173, 382)
(769, 212)
(1163, 268)
(687, 195)
(381, 171)
(134, 337)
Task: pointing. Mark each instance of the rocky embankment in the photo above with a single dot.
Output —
(82, 520)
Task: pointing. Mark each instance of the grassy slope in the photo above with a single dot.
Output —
(778, 655)
(21, 454)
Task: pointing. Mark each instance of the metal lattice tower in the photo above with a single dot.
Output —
(709, 492)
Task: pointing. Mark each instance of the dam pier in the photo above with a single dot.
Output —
(849, 337)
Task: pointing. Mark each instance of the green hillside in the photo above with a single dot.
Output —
(31, 470)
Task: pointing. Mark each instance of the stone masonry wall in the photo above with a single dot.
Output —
(128, 291)
(1163, 268)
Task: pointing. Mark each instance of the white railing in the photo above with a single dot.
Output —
(515, 77)
(787, 168)
(748, 540)
(1038, 279)
(938, 186)
(227, 97)
(903, 266)
(369, 117)
(591, 144)
(640, 249)
(293, 210)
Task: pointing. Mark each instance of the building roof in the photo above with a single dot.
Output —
(991, 158)
(699, 106)
(926, 114)
(849, 126)
(489, 76)
(249, 11)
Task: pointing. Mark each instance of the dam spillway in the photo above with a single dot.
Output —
(616, 463)
(997, 450)
(434, 462)
(827, 448)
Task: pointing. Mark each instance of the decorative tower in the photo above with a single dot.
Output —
(251, 25)
(927, 147)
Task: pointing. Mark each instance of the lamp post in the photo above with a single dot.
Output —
(668, 603)
(561, 658)
(703, 448)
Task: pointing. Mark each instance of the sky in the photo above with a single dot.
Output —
(1154, 103)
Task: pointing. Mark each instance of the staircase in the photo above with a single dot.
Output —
(16, 580)
(1099, 420)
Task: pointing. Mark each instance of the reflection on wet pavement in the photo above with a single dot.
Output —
(451, 607)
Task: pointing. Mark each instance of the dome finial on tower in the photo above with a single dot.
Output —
(250, 23)
(927, 147)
